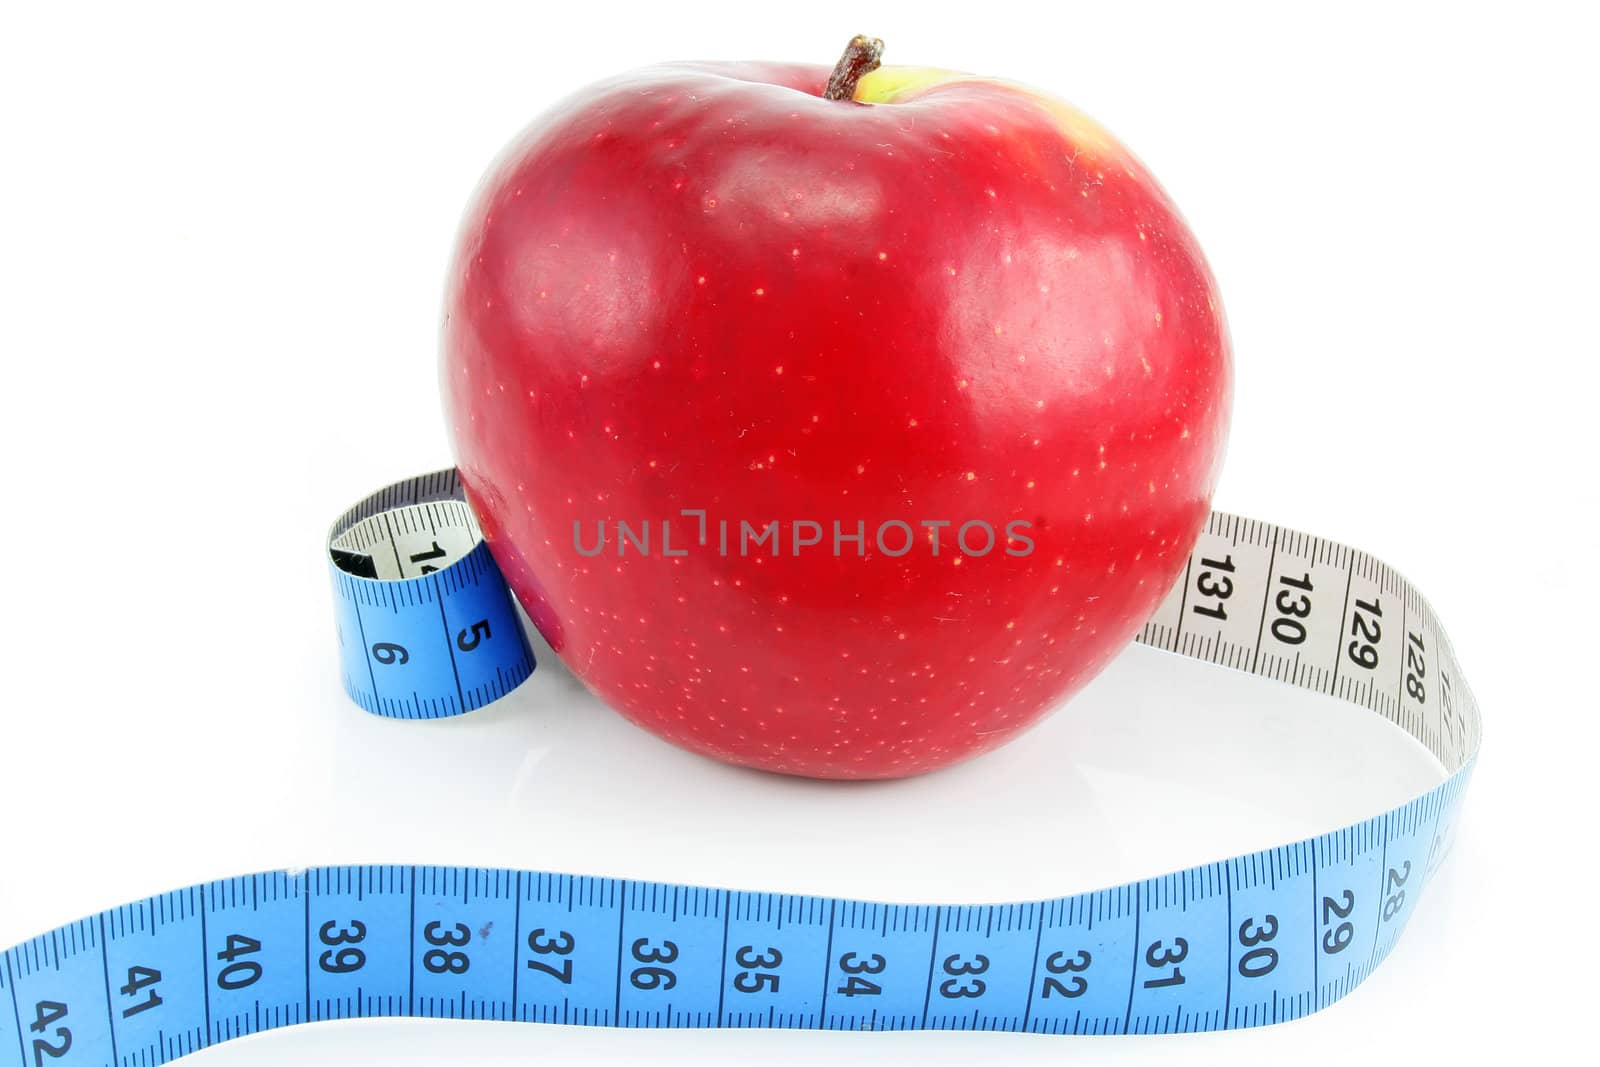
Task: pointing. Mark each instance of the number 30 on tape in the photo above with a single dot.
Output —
(427, 629)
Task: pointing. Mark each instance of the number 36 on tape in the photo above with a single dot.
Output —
(428, 629)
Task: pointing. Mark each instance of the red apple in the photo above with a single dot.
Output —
(919, 298)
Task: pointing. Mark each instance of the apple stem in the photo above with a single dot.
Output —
(861, 57)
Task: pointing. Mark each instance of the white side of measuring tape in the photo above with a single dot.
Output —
(427, 628)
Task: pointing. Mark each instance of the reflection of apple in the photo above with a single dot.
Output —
(925, 297)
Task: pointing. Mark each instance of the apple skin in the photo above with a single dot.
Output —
(704, 286)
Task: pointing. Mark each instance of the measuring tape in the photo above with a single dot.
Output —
(428, 629)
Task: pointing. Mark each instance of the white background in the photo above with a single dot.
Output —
(222, 242)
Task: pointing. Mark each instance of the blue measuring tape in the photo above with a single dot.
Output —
(427, 629)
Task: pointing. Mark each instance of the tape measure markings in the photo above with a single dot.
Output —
(292, 916)
(1259, 938)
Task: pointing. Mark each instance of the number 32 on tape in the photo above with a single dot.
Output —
(427, 629)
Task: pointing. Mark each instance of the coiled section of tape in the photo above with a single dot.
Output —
(1255, 939)
(426, 624)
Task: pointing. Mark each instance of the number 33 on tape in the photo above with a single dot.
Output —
(427, 629)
